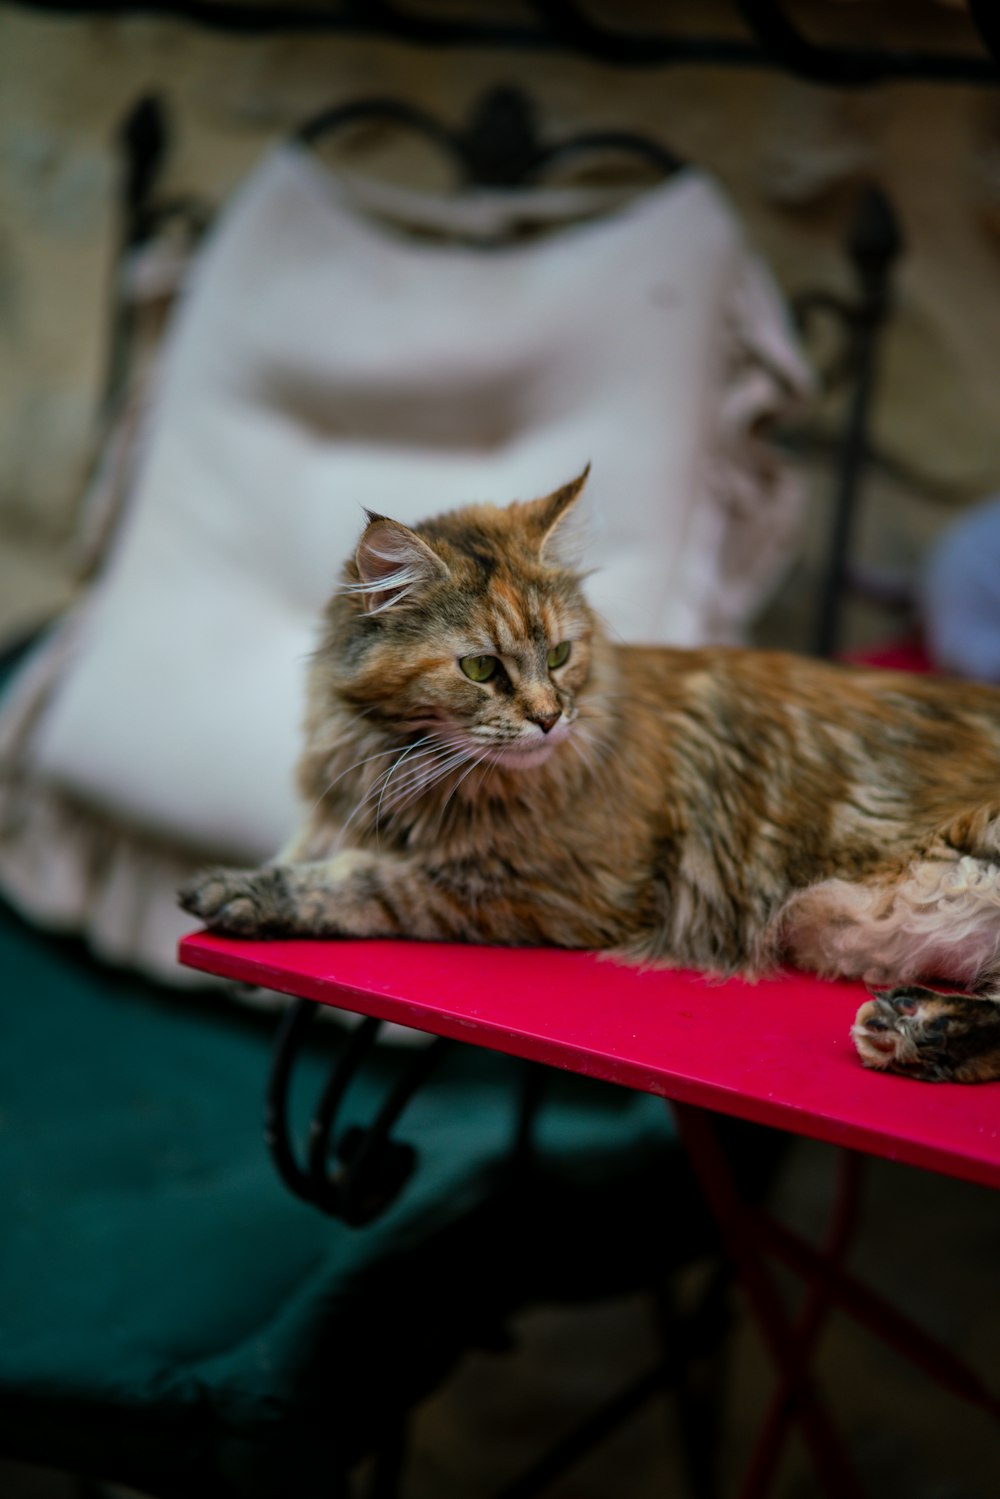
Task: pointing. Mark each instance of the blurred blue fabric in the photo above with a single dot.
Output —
(960, 596)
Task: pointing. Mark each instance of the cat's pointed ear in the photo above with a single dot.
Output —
(548, 515)
(393, 563)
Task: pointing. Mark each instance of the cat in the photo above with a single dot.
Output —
(483, 764)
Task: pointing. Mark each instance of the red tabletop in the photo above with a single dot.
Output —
(777, 1052)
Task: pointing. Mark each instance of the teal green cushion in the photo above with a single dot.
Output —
(171, 1316)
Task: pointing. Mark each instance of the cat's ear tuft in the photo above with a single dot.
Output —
(393, 564)
(549, 516)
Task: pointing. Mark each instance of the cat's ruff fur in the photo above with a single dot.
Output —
(716, 808)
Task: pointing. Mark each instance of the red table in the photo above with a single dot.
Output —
(777, 1053)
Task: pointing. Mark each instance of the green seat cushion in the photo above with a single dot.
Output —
(170, 1315)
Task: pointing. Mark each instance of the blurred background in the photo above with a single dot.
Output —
(790, 153)
(795, 157)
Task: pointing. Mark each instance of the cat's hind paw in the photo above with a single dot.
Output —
(882, 1031)
(920, 1033)
(237, 902)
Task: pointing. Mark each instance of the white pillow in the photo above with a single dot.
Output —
(324, 360)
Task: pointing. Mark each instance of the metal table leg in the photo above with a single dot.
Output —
(749, 1234)
(787, 1345)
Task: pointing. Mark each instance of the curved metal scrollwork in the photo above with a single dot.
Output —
(353, 1173)
(499, 145)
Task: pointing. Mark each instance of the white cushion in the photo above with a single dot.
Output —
(322, 361)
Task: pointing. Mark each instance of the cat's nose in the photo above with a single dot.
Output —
(545, 721)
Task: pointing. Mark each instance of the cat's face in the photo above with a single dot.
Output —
(468, 629)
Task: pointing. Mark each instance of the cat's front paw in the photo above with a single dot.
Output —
(238, 902)
(935, 1037)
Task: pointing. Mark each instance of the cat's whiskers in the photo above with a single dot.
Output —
(437, 761)
(372, 791)
(422, 780)
(431, 761)
(415, 774)
(586, 758)
(422, 807)
(447, 744)
(600, 771)
(602, 749)
(587, 729)
(590, 750)
(396, 764)
(494, 762)
(598, 725)
(367, 759)
(581, 743)
(597, 769)
(477, 760)
(461, 752)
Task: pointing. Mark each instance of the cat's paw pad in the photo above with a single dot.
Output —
(902, 1030)
(237, 902)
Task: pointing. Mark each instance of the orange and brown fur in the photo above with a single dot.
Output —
(721, 809)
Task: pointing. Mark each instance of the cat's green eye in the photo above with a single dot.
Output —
(478, 668)
(558, 655)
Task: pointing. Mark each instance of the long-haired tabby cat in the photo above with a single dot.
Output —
(483, 764)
